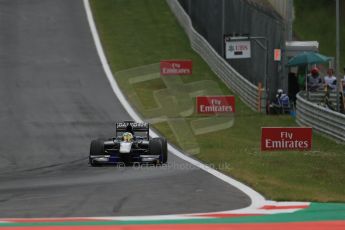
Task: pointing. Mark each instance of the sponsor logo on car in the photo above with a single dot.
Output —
(133, 124)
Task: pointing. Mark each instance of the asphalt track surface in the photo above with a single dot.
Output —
(54, 99)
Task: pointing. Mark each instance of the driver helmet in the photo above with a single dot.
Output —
(127, 137)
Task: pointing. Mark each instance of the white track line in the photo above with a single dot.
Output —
(257, 200)
(230, 213)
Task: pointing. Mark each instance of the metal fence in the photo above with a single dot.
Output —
(213, 19)
(321, 119)
(247, 91)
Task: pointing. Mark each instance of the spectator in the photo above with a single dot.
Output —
(281, 103)
(293, 86)
(326, 102)
(314, 80)
(343, 81)
(301, 78)
(343, 96)
(330, 80)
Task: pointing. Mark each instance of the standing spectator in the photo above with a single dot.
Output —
(293, 86)
(343, 81)
(342, 95)
(330, 80)
(314, 80)
(301, 77)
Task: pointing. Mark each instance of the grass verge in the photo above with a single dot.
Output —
(137, 34)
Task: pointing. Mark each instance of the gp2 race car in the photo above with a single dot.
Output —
(131, 144)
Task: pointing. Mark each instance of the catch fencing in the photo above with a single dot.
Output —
(251, 94)
(255, 19)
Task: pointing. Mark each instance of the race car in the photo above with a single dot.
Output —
(131, 144)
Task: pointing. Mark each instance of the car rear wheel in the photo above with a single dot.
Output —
(158, 146)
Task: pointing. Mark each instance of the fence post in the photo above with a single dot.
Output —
(259, 96)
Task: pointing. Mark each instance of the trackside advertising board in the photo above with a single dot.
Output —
(277, 55)
(176, 67)
(237, 49)
(286, 138)
(215, 104)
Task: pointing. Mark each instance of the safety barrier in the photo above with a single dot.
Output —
(318, 97)
(321, 119)
(250, 94)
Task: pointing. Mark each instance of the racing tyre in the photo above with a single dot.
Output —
(158, 146)
(96, 148)
(164, 150)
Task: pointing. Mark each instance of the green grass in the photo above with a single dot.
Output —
(139, 33)
(315, 21)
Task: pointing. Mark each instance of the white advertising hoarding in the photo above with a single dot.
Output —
(237, 49)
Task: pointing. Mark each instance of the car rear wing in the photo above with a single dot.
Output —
(136, 126)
